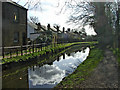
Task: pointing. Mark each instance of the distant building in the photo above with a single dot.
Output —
(14, 24)
(32, 31)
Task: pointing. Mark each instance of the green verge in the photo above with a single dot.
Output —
(83, 71)
(33, 55)
(51, 58)
(39, 62)
(116, 52)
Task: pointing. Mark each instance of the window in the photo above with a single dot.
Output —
(15, 15)
(16, 37)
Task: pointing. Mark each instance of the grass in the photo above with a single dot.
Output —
(39, 62)
(83, 71)
(116, 52)
(33, 55)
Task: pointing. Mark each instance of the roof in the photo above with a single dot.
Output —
(43, 28)
(14, 3)
(55, 30)
(32, 25)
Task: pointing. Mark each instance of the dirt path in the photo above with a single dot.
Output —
(105, 75)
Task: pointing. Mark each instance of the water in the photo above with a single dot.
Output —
(45, 76)
(50, 75)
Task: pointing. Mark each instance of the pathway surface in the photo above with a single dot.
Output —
(105, 75)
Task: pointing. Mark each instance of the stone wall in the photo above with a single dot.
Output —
(0, 27)
(10, 25)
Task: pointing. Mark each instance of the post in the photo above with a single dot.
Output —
(26, 49)
(29, 50)
(33, 47)
(17, 52)
(41, 46)
(21, 51)
(45, 45)
(10, 54)
(36, 48)
(3, 51)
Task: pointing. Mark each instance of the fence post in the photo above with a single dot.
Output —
(26, 49)
(33, 47)
(36, 48)
(3, 52)
(29, 50)
(21, 51)
(41, 46)
(10, 54)
(17, 52)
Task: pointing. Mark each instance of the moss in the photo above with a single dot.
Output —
(83, 71)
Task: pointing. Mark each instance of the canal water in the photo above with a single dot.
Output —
(47, 75)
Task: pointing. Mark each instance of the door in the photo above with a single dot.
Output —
(23, 39)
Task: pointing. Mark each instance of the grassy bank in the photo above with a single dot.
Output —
(47, 50)
(41, 61)
(83, 71)
(116, 52)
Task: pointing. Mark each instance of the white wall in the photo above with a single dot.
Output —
(34, 36)
(29, 30)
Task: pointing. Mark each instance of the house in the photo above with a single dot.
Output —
(32, 31)
(14, 24)
(45, 34)
(54, 33)
(62, 36)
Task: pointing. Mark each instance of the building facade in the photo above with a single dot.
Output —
(14, 24)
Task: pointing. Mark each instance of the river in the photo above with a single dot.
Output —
(47, 75)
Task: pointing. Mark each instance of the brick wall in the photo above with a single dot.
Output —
(12, 25)
(0, 28)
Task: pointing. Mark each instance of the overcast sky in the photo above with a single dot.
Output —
(50, 13)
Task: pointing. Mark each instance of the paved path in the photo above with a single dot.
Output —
(105, 75)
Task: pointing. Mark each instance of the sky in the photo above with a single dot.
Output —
(49, 12)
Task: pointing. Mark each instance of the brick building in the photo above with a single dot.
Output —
(14, 24)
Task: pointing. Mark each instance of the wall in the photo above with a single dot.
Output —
(29, 30)
(0, 27)
(0, 43)
(10, 26)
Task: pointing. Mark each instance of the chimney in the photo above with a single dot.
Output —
(57, 28)
(39, 26)
(68, 29)
(63, 29)
(48, 27)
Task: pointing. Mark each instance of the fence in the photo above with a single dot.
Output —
(9, 52)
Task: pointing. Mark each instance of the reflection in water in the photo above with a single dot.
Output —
(50, 75)
(58, 59)
(46, 75)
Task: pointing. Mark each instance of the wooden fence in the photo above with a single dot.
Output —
(9, 52)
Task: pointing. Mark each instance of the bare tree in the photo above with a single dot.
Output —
(31, 4)
(102, 16)
(34, 19)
